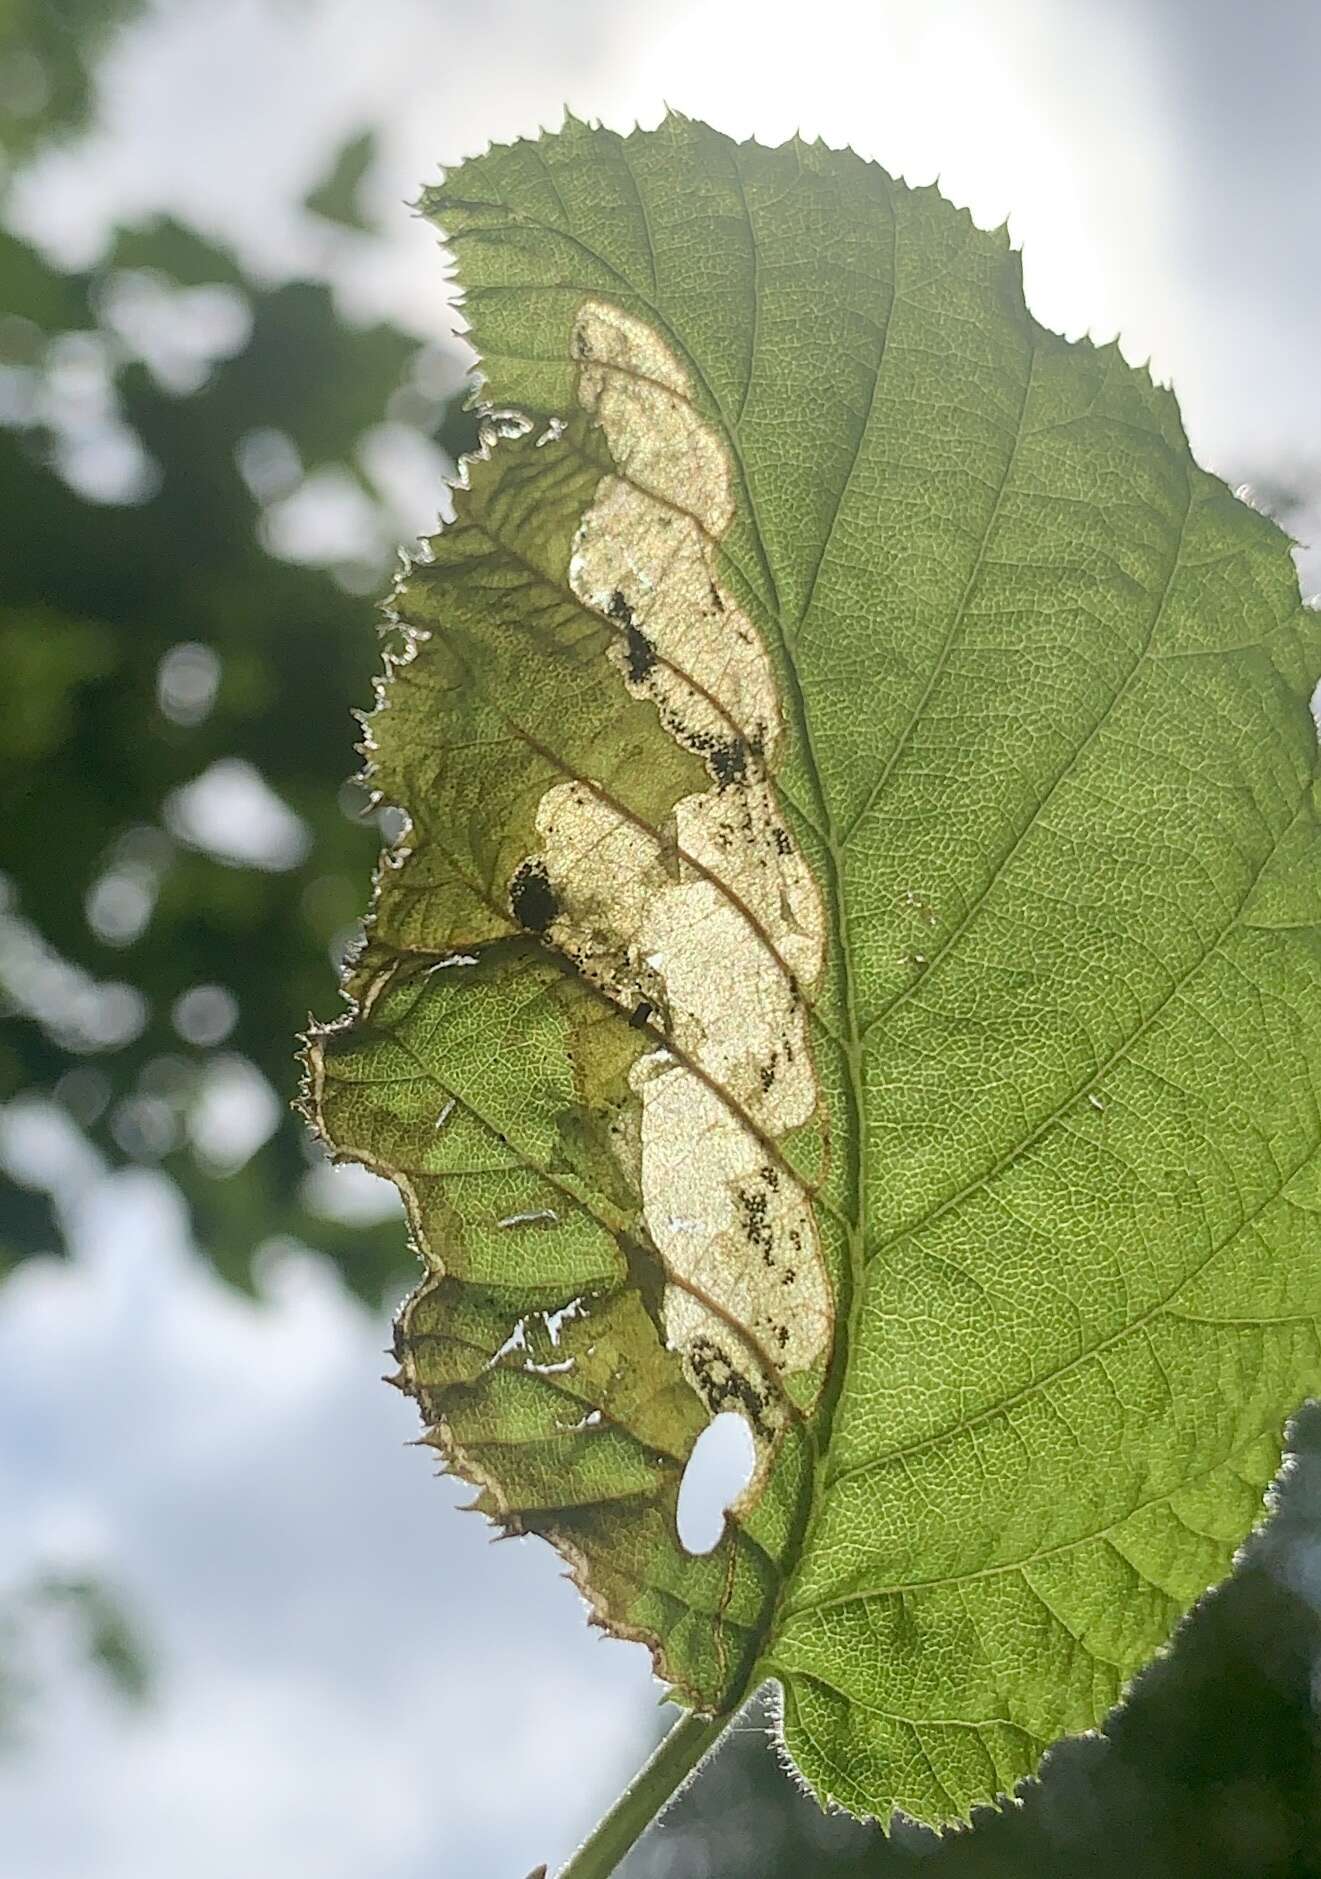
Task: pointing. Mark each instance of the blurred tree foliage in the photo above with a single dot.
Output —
(48, 55)
(338, 197)
(186, 469)
(93, 1623)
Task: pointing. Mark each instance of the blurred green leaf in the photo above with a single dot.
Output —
(48, 55)
(338, 197)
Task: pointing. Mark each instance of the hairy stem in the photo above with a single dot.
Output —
(646, 1797)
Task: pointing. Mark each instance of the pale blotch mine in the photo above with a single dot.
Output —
(637, 915)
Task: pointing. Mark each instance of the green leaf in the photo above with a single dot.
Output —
(853, 957)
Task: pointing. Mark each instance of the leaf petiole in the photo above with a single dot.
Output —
(646, 1797)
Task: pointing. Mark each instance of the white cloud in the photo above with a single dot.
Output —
(351, 1678)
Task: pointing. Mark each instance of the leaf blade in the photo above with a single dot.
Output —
(1044, 748)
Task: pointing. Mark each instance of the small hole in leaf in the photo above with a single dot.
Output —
(719, 1468)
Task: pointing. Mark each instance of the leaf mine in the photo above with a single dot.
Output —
(724, 956)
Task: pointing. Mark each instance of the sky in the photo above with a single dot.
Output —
(1156, 159)
(347, 1673)
(348, 1677)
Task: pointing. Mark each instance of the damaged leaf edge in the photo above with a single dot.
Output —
(497, 424)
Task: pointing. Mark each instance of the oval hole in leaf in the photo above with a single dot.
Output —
(718, 1470)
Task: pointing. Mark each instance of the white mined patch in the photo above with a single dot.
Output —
(714, 926)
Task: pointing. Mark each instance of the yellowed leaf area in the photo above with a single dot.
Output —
(716, 926)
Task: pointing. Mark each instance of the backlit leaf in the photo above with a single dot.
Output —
(852, 958)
